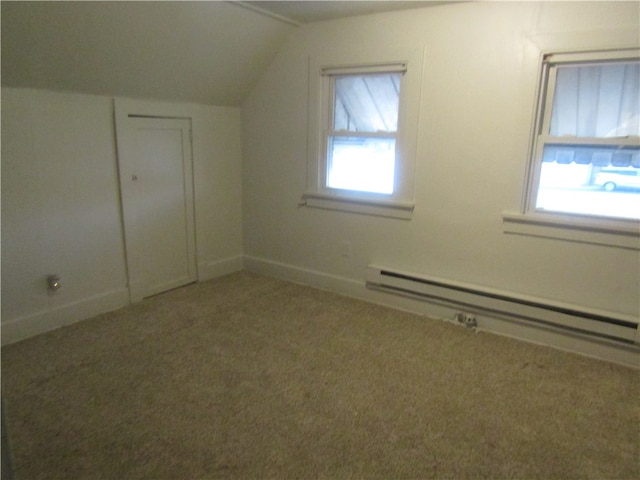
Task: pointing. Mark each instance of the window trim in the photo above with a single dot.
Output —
(545, 98)
(593, 229)
(574, 227)
(400, 203)
(359, 204)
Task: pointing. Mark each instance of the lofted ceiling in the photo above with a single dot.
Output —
(210, 52)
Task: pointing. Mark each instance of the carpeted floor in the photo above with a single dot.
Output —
(250, 377)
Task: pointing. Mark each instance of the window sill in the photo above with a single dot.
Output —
(609, 232)
(380, 208)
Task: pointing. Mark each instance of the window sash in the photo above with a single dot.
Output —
(328, 161)
(586, 58)
(330, 74)
(550, 77)
(368, 167)
(589, 112)
(543, 138)
(349, 133)
(332, 97)
(629, 141)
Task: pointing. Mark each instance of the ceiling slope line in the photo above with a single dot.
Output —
(264, 12)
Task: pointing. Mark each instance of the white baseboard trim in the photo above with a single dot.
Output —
(30, 325)
(218, 268)
(628, 355)
(44, 321)
(313, 278)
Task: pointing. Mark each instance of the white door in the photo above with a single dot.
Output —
(156, 183)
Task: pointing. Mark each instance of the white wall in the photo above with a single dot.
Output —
(61, 207)
(60, 202)
(477, 102)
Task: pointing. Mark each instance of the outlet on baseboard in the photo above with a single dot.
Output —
(466, 319)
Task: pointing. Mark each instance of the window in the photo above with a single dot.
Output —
(587, 146)
(362, 130)
(363, 123)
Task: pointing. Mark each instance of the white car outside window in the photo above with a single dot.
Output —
(619, 178)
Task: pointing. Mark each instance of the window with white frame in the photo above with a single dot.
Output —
(586, 157)
(362, 130)
(362, 137)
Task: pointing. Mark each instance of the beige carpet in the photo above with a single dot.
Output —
(250, 377)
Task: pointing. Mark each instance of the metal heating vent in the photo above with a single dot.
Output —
(613, 326)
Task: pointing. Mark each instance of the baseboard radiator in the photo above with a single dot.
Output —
(506, 305)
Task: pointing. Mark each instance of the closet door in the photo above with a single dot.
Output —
(156, 183)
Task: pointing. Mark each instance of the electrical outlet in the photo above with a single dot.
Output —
(466, 319)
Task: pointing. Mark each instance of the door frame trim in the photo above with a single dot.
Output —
(124, 109)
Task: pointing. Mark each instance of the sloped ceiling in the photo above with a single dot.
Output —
(205, 52)
(209, 52)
